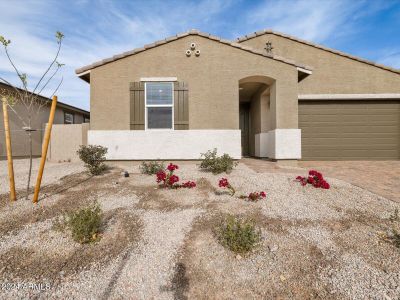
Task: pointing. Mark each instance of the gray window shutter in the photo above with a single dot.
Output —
(181, 106)
(137, 105)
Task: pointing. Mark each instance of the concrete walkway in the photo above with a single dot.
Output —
(380, 177)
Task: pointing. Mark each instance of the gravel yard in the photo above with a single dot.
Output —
(160, 244)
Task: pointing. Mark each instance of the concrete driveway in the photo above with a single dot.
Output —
(380, 177)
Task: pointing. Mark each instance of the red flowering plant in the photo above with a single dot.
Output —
(224, 183)
(315, 178)
(169, 180)
(254, 196)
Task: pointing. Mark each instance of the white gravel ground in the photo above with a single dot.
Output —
(52, 173)
(316, 243)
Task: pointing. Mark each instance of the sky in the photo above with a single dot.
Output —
(95, 30)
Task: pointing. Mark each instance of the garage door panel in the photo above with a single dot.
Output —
(367, 129)
(350, 130)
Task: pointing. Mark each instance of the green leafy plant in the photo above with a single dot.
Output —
(151, 167)
(237, 234)
(85, 224)
(395, 216)
(210, 161)
(93, 156)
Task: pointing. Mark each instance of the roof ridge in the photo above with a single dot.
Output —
(46, 98)
(338, 52)
(184, 34)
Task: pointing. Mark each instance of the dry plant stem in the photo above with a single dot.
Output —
(44, 149)
(30, 165)
(9, 152)
(231, 190)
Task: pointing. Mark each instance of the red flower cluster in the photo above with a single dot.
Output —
(161, 176)
(173, 179)
(255, 196)
(170, 180)
(224, 183)
(171, 167)
(189, 184)
(315, 179)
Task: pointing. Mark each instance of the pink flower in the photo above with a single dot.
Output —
(171, 167)
(161, 176)
(189, 184)
(315, 178)
(223, 182)
(255, 196)
(325, 185)
(173, 179)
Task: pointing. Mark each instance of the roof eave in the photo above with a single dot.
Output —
(290, 37)
(303, 72)
(83, 71)
(85, 76)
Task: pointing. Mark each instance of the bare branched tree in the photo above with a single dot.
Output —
(31, 101)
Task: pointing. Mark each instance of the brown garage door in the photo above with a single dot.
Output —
(350, 130)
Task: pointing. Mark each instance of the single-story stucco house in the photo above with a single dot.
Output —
(266, 94)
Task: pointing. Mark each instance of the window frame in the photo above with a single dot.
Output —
(158, 105)
(73, 117)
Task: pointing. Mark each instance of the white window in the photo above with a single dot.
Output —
(159, 100)
(68, 118)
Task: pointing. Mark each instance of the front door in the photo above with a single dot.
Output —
(244, 125)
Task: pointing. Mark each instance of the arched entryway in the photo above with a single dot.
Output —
(254, 110)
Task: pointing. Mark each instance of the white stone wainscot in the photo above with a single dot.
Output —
(165, 144)
(279, 144)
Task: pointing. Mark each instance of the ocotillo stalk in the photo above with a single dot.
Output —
(44, 149)
(9, 152)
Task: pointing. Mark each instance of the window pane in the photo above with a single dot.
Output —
(68, 118)
(159, 117)
(159, 92)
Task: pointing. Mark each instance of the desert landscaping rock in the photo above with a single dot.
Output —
(160, 244)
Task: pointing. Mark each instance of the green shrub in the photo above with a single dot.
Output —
(238, 235)
(93, 156)
(395, 216)
(151, 167)
(85, 224)
(210, 161)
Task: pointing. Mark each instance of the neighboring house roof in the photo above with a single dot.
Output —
(59, 104)
(82, 71)
(268, 31)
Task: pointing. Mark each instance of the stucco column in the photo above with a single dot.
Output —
(281, 138)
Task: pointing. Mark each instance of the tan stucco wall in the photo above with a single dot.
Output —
(212, 78)
(332, 73)
(64, 149)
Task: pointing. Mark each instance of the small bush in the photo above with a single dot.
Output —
(210, 161)
(85, 224)
(395, 216)
(238, 235)
(151, 167)
(93, 156)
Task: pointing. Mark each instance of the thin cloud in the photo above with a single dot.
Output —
(93, 31)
